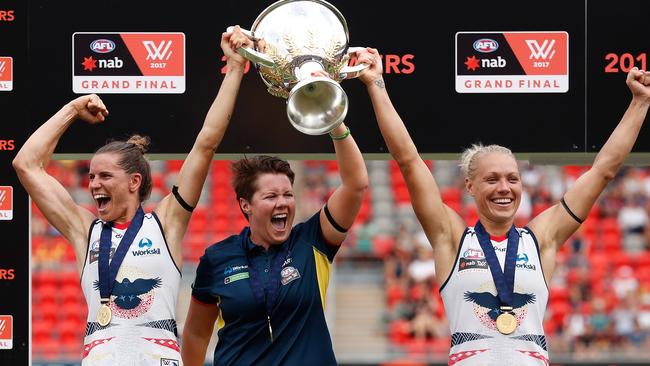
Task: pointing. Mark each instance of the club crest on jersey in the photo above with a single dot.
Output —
(289, 274)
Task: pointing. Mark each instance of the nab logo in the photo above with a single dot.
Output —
(7, 16)
(158, 52)
(91, 63)
(485, 45)
(6, 202)
(102, 46)
(545, 51)
(6, 331)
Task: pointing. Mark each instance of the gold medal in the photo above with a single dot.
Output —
(506, 323)
(104, 315)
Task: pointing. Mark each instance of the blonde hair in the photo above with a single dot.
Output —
(468, 159)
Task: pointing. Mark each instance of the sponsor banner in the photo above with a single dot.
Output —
(6, 332)
(128, 63)
(6, 202)
(512, 62)
(6, 73)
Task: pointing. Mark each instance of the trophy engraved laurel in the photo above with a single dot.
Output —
(293, 39)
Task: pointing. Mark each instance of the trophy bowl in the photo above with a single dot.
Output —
(302, 54)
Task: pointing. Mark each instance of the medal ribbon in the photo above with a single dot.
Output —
(107, 274)
(504, 281)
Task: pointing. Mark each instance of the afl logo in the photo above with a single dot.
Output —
(485, 45)
(102, 46)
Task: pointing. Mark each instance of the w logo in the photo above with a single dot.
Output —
(2, 67)
(3, 325)
(544, 51)
(2, 198)
(158, 52)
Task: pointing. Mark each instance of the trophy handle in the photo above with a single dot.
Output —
(249, 53)
(351, 72)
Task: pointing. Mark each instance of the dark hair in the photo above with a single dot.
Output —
(132, 160)
(245, 172)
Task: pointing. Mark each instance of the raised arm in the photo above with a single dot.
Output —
(442, 225)
(345, 202)
(191, 177)
(70, 219)
(554, 226)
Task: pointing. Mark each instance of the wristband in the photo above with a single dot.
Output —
(342, 136)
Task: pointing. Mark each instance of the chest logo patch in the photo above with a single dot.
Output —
(289, 274)
(235, 277)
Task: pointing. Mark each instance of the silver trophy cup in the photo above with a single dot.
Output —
(294, 39)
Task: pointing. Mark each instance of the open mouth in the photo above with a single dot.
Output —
(279, 221)
(102, 200)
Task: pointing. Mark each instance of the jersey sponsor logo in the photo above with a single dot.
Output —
(473, 254)
(6, 202)
(235, 277)
(472, 259)
(128, 63)
(169, 362)
(522, 262)
(145, 242)
(145, 245)
(465, 264)
(6, 331)
(234, 269)
(501, 249)
(145, 252)
(93, 254)
(512, 62)
(6, 73)
(289, 274)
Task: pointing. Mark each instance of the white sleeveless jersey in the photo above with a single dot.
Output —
(471, 304)
(142, 331)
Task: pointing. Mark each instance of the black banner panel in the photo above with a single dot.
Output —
(14, 204)
(158, 67)
(614, 46)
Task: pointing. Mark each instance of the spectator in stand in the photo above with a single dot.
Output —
(423, 268)
(624, 283)
(633, 219)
